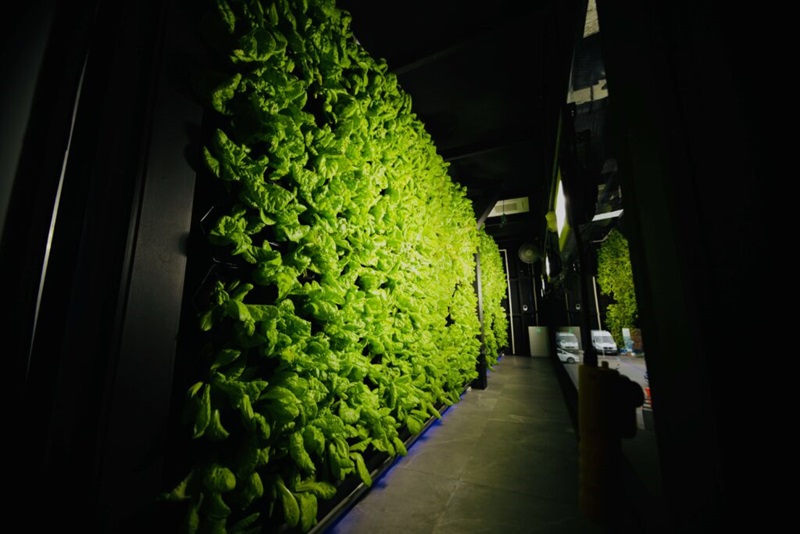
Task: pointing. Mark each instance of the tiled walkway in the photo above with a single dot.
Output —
(504, 460)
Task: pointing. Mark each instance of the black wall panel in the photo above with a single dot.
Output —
(94, 247)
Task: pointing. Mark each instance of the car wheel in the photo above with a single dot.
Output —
(570, 360)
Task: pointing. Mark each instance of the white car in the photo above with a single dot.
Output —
(566, 356)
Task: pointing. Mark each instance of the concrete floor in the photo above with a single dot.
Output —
(503, 460)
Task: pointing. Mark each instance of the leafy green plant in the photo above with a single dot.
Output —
(615, 279)
(494, 290)
(349, 316)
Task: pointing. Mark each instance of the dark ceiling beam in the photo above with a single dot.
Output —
(433, 57)
(485, 147)
(483, 212)
(497, 31)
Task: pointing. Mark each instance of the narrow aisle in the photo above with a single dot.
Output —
(503, 460)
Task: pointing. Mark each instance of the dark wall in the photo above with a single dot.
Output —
(691, 88)
(526, 302)
(99, 201)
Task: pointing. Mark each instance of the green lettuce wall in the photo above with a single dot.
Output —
(346, 315)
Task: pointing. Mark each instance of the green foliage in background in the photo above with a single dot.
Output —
(494, 288)
(615, 279)
(350, 315)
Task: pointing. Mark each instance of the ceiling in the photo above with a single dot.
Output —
(489, 81)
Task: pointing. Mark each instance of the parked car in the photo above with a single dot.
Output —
(566, 356)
